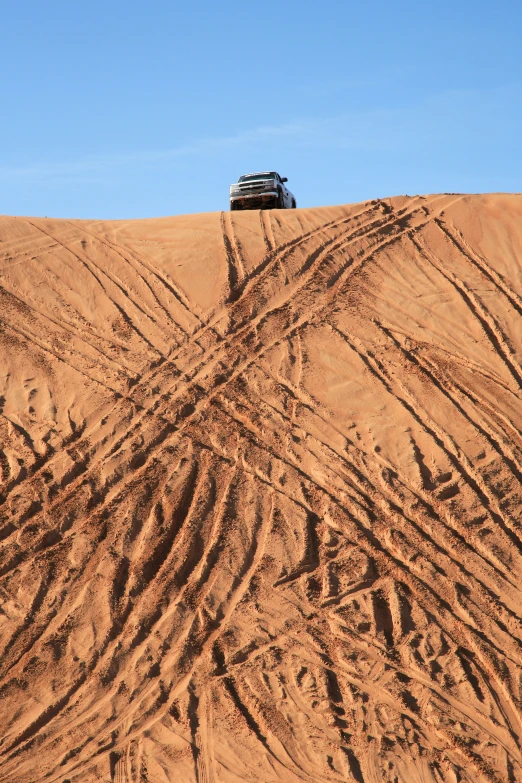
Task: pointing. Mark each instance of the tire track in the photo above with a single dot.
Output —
(164, 279)
(489, 325)
(367, 499)
(181, 299)
(455, 455)
(456, 238)
(309, 310)
(253, 557)
(146, 411)
(264, 219)
(87, 263)
(420, 524)
(207, 547)
(31, 313)
(157, 367)
(236, 267)
(457, 395)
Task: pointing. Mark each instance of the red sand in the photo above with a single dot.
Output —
(260, 496)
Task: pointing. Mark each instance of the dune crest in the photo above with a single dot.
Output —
(260, 484)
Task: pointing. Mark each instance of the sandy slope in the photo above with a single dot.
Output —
(260, 496)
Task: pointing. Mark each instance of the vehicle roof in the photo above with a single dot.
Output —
(253, 173)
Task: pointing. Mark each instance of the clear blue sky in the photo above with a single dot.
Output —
(123, 109)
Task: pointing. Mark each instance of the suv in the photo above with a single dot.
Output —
(264, 189)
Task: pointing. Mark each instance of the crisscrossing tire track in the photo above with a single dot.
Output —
(238, 334)
(148, 377)
(293, 532)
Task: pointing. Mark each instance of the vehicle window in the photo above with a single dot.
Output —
(256, 177)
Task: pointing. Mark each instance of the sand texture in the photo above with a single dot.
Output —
(260, 497)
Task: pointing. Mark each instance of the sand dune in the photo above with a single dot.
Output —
(260, 496)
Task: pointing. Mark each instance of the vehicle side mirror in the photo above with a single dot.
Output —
(284, 179)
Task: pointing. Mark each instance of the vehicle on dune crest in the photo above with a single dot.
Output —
(261, 190)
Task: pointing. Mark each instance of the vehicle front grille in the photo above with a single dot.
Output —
(258, 187)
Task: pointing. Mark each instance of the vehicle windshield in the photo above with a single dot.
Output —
(256, 177)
